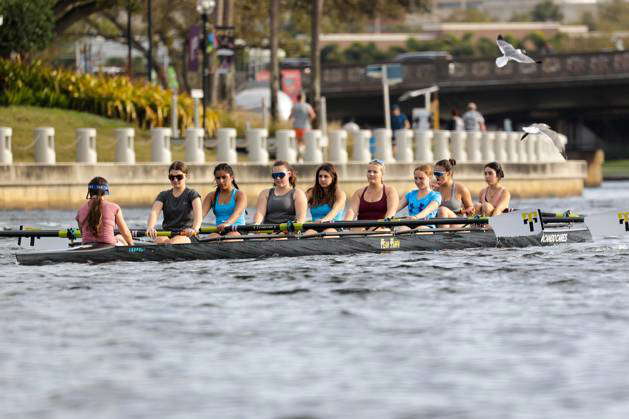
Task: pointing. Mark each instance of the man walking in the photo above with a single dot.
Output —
(472, 119)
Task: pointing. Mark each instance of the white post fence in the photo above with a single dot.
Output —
(257, 145)
(125, 152)
(338, 146)
(45, 145)
(423, 146)
(226, 145)
(442, 145)
(361, 153)
(286, 145)
(313, 152)
(194, 147)
(404, 145)
(457, 144)
(160, 145)
(6, 156)
(473, 147)
(384, 150)
(86, 145)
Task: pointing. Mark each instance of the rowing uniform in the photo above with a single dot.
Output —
(417, 204)
(106, 233)
(224, 211)
(280, 209)
(454, 204)
(177, 211)
(321, 211)
(372, 210)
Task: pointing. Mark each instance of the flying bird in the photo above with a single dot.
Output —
(548, 135)
(510, 53)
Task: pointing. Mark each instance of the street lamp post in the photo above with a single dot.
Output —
(205, 8)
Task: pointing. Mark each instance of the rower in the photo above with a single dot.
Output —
(227, 202)
(283, 202)
(181, 207)
(326, 200)
(494, 199)
(423, 202)
(97, 217)
(376, 201)
(456, 199)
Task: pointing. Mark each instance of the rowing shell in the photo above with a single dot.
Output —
(296, 245)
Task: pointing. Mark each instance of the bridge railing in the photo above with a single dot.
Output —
(339, 146)
(556, 67)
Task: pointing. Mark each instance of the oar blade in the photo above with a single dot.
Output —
(608, 224)
(517, 224)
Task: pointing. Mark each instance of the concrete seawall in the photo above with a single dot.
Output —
(63, 186)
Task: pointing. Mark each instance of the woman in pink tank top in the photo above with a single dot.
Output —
(98, 217)
(376, 201)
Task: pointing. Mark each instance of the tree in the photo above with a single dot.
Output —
(27, 26)
(546, 11)
(470, 15)
(69, 12)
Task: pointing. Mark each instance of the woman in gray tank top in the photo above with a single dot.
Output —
(283, 202)
(456, 198)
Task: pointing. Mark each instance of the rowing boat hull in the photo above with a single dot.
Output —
(265, 248)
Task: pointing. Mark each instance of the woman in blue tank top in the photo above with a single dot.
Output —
(227, 202)
(326, 200)
(423, 202)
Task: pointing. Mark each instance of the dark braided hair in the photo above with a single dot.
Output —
(223, 167)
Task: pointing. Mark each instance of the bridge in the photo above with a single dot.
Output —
(585, 96)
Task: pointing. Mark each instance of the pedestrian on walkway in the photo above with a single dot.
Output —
(472, 119)
(301, 116)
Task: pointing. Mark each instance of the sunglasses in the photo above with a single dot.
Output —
(439, 174)
(278, 175)
(173, 177)
(377, 161)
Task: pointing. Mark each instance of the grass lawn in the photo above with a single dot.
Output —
(24, 120)
(616, 168)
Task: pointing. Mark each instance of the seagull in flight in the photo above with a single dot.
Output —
(548, 135)
(510, 53)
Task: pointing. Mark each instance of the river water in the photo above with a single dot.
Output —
(504, 333)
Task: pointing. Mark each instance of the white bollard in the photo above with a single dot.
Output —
(86, 145)
(45, 145)
(513, 147)
(226, 145)
(257, 145)
(523, 149)
(423, 146)
(500, 146)
(473, 147)
(487, 146)
(531, 148)
(313, 151)
(442, 145)
(362, 153)
(404, 145)
(6, 156)
(338, 146)
(458, 146)
(125, 152)
(286, 145)
(384, 149)
(194, 147)
(160, 147)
